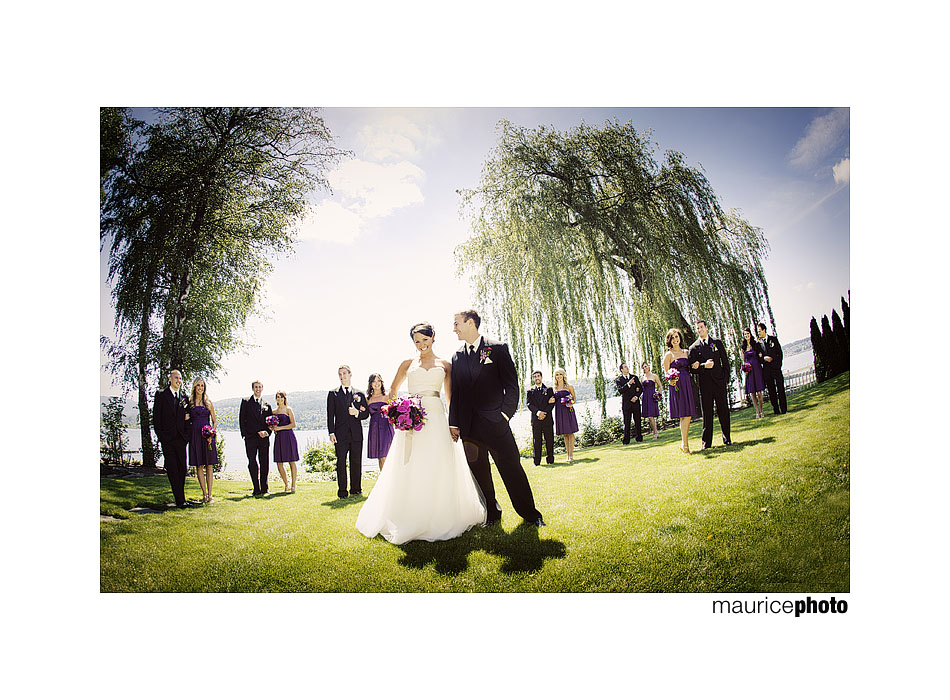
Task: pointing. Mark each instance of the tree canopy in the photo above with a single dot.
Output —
(586, 248)
(195, 206)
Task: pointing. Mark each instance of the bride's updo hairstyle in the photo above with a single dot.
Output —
(424, 328)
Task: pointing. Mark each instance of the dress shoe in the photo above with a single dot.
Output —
(356, 493)
(342, 498)
(186, 504)
(539, 523)
(727, 442)
(491, 522)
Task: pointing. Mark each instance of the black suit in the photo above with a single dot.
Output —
(168, 417)
(257, 448)
(712, 385)
(631, 409)
(772, 373)
(349, 436)
(537, 399)
(483, 389)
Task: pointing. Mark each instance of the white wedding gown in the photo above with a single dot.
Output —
(426, 490)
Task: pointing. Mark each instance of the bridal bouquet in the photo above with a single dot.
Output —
(208, 432)
(746, 367)
(406, 413)
(272, 421)
(672, 376)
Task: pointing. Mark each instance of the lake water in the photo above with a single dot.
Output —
(520, 425)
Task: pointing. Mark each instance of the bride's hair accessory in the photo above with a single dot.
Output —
(424, 328)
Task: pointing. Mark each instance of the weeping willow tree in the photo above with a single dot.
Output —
(587, 250)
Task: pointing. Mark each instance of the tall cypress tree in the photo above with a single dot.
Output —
(842, 350)
(846, 317)
(821, 371)
(828, 348)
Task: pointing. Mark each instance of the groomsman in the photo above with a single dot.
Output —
(772, 370)
(169, 416)
(256, 434)
(540, 400)
(708, 359)
(345, 409)
(630, 390)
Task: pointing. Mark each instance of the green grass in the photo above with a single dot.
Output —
(768, 514)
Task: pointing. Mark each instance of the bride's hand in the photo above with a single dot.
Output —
(454, 432)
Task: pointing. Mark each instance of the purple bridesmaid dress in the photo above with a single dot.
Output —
(380, 432)
(285, 442)
(199, 454)
(682, 403)
(651, 409)
(753, 380)
(565, 420)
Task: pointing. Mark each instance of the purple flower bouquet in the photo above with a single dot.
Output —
(406, 413)
(672, 376)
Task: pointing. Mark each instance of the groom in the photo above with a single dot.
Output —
(345, 411)
(484, 397)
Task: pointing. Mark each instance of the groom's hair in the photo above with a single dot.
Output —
(702, 322)
(424, 328)
(346, 367)
(471, 315)
(762, 326)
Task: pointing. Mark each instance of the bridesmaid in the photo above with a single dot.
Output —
(682, 402)
(201, 455)
(380, 429)
(565, 420)
(285, 442)
(651, 407)
(754, 381)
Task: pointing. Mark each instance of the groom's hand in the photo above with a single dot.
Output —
(333, 438)
(454, 432)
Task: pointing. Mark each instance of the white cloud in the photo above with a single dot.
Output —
(822, 136)
(800, 287)
(330, 221)
(378, 189)
(842, 172)
(396, 136)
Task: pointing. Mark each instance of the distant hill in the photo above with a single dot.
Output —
(803, 345)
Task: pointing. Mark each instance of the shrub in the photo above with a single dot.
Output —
(610, 430)
(222, 462)
(320, 457)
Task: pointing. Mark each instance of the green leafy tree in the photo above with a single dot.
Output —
(586, 248)
(192, 216)
(112, 437)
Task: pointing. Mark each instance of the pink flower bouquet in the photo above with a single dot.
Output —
(272, 421)
(746, 367)
(208, 432)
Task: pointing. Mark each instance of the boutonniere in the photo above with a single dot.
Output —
(484, 356)
(184, 403)
(267, 407)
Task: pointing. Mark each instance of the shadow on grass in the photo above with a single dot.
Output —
(337, 503)
(558, 465)
(715, 451)
(522, 550)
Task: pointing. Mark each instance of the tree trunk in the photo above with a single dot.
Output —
(145, 420)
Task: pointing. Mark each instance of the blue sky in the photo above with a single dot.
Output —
(393, 215)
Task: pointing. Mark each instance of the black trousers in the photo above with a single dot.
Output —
(775, 384)
(486, 438)
(258, 461)
(175, 467)
(355, 452)
(631, 412)
(543, 430)
(709, 392)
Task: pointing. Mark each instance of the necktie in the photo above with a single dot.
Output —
(471, 350)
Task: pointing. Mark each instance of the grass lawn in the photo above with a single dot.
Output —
(768, 514)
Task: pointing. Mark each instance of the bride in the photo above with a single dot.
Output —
(428, 491)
